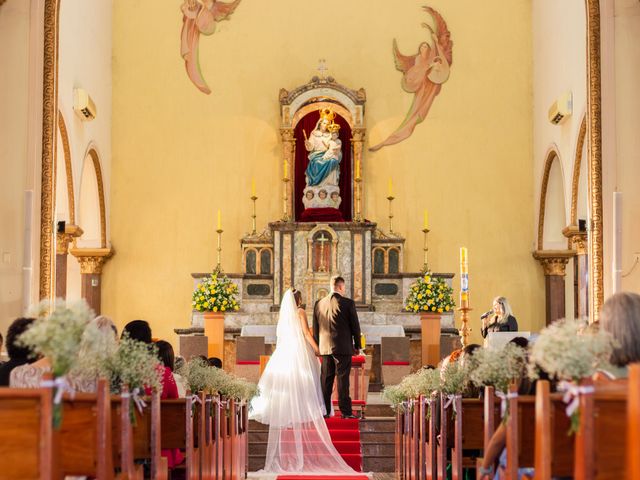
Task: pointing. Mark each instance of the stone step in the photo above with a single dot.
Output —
(379, 410)
(378, 424)
(376, 437)
(379, 464)
(378, 449)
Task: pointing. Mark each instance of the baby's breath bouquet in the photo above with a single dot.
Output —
(134, 364)
(195, 372)
(203, 378)
(56, 334)
(570, 351)
(396, 396)
(498, 367)
(454, 379)
(423, 382)
(430, 294)
(215, 293)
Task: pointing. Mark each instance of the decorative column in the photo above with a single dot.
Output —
(63, 240)
(357, 141)
(579, 244)
(554, 263)
(91, 261)
(288, 150)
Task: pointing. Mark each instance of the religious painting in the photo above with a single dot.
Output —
(323, 167)
(423, 75)
(200, 17)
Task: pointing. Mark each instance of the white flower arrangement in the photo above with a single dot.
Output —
(203, 378)
(498, 367)
(134, 364)
(423, 382)
(57, 332)
(570, 350)
(454, 378)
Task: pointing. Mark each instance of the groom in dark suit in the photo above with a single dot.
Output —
(336, 330)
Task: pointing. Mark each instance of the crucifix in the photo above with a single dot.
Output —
(322, 68)
(322, 239)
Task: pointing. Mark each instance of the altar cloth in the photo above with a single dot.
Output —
(373, 333)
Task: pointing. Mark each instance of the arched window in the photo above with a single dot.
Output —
(265, 261)
(394, 260)
(250, 262)
(378, 260)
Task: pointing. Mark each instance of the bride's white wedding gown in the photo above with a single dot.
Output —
(291, 403)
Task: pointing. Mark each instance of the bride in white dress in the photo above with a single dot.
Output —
(291, 402)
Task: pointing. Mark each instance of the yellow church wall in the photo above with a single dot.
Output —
(178, 155)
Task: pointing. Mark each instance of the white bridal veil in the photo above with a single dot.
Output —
(291, 403)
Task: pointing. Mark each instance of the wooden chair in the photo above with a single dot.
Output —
(599, 444)
(520, 432)
(85, 435)
(28, 442)
(554, 447)
(633, 423)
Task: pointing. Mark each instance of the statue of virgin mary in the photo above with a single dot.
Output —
(325, 152)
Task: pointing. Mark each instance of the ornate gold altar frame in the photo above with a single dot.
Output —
(295, 104)
(594, 152)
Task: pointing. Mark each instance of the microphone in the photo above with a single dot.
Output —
(486, 314)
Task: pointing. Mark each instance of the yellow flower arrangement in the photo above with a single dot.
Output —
(215, 293)
(430, 294)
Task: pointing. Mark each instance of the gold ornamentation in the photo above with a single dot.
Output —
(327, 114)
(553, 262)
(594, 152)
(103, 214)
(64, 239)
(49, 115)
(92, 259)
(334, 127)
(551, 156)
(576, 171)
(62, 126)
(577, 240)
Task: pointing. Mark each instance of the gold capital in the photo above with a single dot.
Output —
(554, 262)
(92, 259)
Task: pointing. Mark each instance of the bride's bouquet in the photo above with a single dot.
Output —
(215, 293)
(430, 294)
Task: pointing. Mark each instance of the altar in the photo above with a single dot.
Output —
(323, 231)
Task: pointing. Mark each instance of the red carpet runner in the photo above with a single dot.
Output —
(345, 435)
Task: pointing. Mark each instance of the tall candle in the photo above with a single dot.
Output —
(253, 187)
(219, 220)
(426, 219)
(390, 187)
(464, 270)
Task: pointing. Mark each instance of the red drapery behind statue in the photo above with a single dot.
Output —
(308, 123)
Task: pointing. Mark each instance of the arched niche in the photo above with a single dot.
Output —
(552, 215)
(322, 249)
(91, 205)
(299, 113)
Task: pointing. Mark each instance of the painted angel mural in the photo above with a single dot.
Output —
(200, 17)
(423, 75)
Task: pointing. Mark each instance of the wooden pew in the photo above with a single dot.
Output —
(146, 438)
(28, 442)
(633, 423)
(599, 442)
(177, 431)
(520, 432)
(122, 437)
(399, 443)
(85, 434)
(426, 438)
(554, 447)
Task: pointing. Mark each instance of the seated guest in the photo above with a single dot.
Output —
(138, 330)
(30, 376)
(215, 362)
(181, 382)
(18, 355)
(620, 317)
(502, 319)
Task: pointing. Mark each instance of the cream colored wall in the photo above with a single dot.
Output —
(20, 138)
(559, 66)
(179, 155)
(85, 62)
(627, 141)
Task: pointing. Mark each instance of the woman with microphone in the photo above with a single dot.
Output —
(499, 319)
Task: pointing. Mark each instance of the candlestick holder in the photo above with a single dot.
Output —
(425, 249)
(358, 215)
(286, 217)
(253, 217)
(391, 198)
(464, 310)
(219, 266)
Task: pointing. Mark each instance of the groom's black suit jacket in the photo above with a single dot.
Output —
(336, 328)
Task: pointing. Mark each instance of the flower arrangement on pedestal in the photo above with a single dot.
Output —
(430, 294)
(215, 293)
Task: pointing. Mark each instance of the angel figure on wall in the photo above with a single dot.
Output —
(424, 74)
(200, 16)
